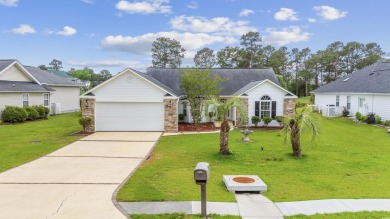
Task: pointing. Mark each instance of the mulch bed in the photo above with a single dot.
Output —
(190, 127)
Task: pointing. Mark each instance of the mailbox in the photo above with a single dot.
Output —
(201, 173)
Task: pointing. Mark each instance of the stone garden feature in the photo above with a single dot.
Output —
(246, 133)
(244, 183)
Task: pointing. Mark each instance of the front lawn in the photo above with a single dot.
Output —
(21, 143)
(346, 215)
(349, 160)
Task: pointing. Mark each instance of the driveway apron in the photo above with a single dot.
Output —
(77, 181)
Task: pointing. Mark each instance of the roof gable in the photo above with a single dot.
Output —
(254, 85)
(48, 78)
(12, 70)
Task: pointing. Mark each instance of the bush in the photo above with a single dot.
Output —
(14, 114)
(211, 114)
(378, 119)
(32, 113)
(42, 111)
(363, 118)
(85, 122)
(358, 116)
(312, 98)
(386, 123)
(345, 112)
(370, 118)
(299, 105)
(266, 120)
(279, 119)
(181, 116)
(255, 120)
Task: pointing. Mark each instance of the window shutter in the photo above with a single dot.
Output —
(257, 105)
(273, 112)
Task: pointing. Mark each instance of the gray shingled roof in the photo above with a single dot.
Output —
(237, 78)
(371, 79)
(156, 82)
(19, 86)
(5, 63)
(48, 78)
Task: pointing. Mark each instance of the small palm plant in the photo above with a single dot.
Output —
(222, 107)
(294, 125)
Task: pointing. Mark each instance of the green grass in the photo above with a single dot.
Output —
(303, 100)
(178, 216)
(349, 160)
(349, 215)
(21, 143)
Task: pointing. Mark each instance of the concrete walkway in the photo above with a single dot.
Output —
(77, 181)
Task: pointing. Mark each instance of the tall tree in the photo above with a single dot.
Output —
(82, 74)
(295, 63)
(205, 58)
(251, 45)
(43, 67)
(97, 79)
(167, 52)
(306, 71)
(279, 61)
(228, 57)
(372, 53)
(199, 85)
(352, 52)
(55, 64)
(266, 56)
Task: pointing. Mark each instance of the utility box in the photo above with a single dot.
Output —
(201, 173)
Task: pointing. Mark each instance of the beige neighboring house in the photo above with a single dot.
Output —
(27, 86)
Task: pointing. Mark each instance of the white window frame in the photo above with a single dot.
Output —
(337, 100)
(48, 100)
(348, 102)
(267, 101)
(25, 100)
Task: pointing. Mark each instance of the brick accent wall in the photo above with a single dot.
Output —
(246, 107)
(170, 115)
(289, 107)
(88, 110)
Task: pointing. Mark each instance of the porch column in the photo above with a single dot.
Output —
(88, 111)
(245, 109)
(289, 106)
(170, 115)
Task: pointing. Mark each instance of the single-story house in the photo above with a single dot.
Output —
(366, 91)
(26, 86)
(152, 101)
(65, 75)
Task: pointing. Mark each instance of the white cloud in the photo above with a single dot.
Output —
(107, 63)
(143, 44)
(23, 29)
(330, 13)
(88, 1)
(312, 20)
(192, 5)
(67, 31)
(9, 3)
(144, 7)
(292, 34)
(246, 12)
(286, 14)
(218, 25)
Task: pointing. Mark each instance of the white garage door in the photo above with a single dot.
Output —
(129, 116)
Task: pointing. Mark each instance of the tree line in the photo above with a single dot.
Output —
(298, 70)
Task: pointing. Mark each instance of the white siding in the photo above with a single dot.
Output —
(14, 74)
(269, 89)
(378, 104)
(15, 99)
(120, 90)
(67, 96)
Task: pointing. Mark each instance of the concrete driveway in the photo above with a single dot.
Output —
(77, 181)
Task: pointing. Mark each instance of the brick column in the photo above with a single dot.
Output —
(88, 110)
(170, 115)
(289, 107)
(245, 109)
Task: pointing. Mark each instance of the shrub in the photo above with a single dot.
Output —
(85, 122)
(32, 113)
(279, 119)
(14, 114)
(363, 118)
(345, 112)
(42, 111)
(312, 98)
(378, 119)
(181, 116)
(358, 116)
(386, 123)
(255, 120)
(370, 118)
(266, 120)
(211, 114)
(299, 105)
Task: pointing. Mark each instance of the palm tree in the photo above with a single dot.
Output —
(222, 107)
(303, 119)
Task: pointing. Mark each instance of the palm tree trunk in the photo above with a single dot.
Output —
(295, 140)
(224, 138)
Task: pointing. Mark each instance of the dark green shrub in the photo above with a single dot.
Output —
(14, 114)
(363, 118)
(299, 105)
(279, 119)
(345, 112)
(386, 123)
(312, 98)
(358, 116)
(32, 113)
(370, 118)
(378, 119)
(255, 120)
(85, 122)
(42, 111)
(211, 114)
(266, 120)
(181, 116)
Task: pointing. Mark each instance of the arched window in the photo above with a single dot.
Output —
(265, 106)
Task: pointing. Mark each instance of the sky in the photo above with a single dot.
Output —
(117, 34)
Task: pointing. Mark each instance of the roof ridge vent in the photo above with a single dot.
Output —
(345, 79)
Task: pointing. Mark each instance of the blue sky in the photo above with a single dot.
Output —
(115, 34)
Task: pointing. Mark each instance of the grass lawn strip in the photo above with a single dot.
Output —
(349, 160)
(179, 216)
(348, 215)
(21, 143)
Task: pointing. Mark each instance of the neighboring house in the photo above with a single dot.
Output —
(135, 101)
(26, 86)
(365, 91)
(65, 75)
